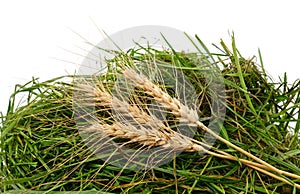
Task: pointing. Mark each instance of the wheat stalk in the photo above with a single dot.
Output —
(190, 116)
(157, 133)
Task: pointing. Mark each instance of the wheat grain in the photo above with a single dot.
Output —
(146, 137)
(186, 114)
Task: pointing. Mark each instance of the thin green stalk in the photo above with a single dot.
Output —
(241, 77)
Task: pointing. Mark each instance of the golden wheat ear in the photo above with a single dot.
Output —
(191, 117)
(130, 122)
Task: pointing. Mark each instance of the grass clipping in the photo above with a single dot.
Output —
(255, 151)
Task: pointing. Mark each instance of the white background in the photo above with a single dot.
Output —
(35, 34)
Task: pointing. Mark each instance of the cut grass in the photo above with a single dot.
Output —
(41, 149)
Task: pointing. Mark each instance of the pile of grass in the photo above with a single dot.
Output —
(42, 149)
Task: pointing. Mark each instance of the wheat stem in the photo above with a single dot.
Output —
(270, 167)
(275, 176)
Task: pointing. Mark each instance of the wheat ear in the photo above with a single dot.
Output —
(158, 134)
(189, 115)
